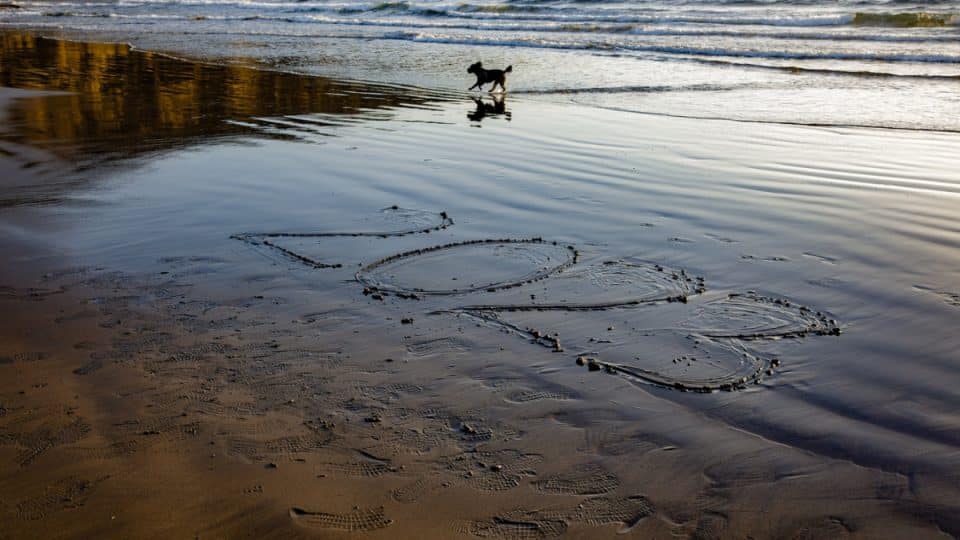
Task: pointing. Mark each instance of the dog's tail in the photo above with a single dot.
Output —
(508, 70)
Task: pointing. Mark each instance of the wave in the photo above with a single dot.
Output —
(435, 23)
(859, 19)
(705, 19)
(637, 89)
(498, 8)
(804, 55)
(786, 68)
(574, 18)
(906, 20)
(799, 36)
(826, 71)
(677, 50)
(434, 19)
(391, 6)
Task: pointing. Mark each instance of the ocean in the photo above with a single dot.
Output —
(874, 63)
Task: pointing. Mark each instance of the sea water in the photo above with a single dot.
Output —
(876, 63)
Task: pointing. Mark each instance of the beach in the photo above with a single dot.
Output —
(243, 299)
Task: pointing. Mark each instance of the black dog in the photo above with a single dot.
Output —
(496, 76)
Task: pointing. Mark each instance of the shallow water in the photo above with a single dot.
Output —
(858, 224)
(865, 62)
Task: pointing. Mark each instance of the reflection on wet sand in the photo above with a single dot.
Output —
(124, 103)
(494, 108)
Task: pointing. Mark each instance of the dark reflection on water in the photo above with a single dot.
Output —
(496, 107)
(125, 103)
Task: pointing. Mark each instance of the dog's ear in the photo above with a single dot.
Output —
(479, 64)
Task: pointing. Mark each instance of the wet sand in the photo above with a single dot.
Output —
(295, 307)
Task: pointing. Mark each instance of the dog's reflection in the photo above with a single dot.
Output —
(495, 108)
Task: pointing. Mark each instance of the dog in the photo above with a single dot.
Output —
(496, 76)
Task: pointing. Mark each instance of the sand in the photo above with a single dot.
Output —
(341, 313)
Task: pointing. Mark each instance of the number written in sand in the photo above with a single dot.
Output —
(465, 267)
(390, 222)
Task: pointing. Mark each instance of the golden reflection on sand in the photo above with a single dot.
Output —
(146, 102)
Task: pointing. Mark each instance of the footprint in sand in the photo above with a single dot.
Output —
(67, 493)
(552, 523)
(367, 519)
(588, 479)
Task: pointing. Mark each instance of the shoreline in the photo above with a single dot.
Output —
(166, 380)
(444, 93)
